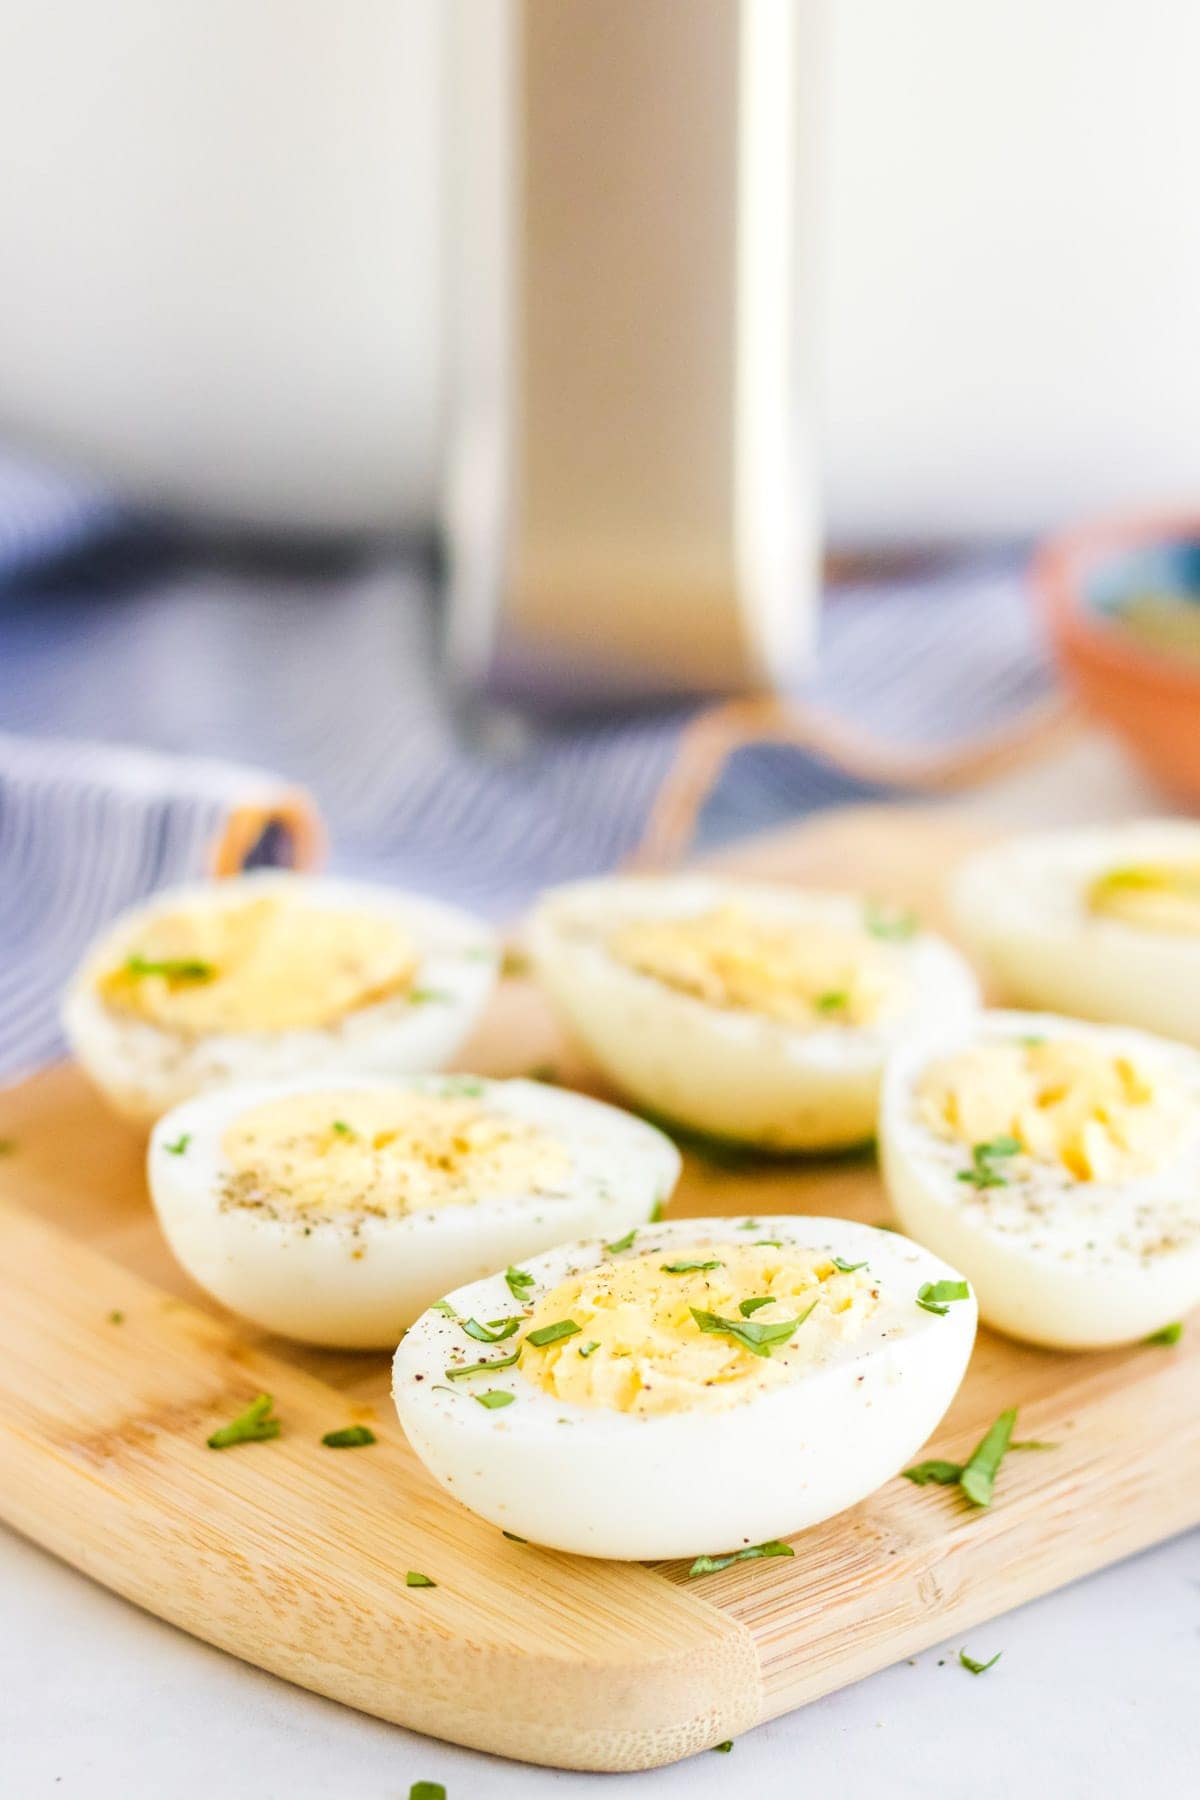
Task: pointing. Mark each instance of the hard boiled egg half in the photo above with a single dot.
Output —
(1058, 1165)
(747, 1012)
(698, 1387)
(268, 974)
(1103, 923)
(335, 1212)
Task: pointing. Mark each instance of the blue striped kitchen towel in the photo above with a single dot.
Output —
(329, 676)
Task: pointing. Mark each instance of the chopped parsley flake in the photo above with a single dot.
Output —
(762, 1340)
(7, 1146)
(494, 1397)
(492, 1333)
(750, 1225)
(725, 1747)
(836, 1000)
(590, 1347)
(519, 1282)
(711, 1565)
(1170, 1334)
(179, 1147)
(344, 1130)
(978, 1479)
(768, 1244)
(845, 1268)
(946, 1474)
(552, 1334)
(428, 997)
(171, 969)
(458, 1370)
(660, 1207)
(689, 1268)
(624, 1243)
(936, 1296)
(116, 1317)
(749, 1307)
(978, 1668)
(894, 924)
(465, 1087)
(983, 1172)
(513, 1538)
(977, 1476)
(414, 1578)
(444, 1306)
(253, 1426)
(349, 1437)
(426, 1790)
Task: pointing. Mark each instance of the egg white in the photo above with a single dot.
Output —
(356, 1282)
(729, 1072)
(143, 1069)
(601, 1482)
(1022, 909)
(1053, 1260)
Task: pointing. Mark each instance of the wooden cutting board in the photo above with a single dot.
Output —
(294, 1556)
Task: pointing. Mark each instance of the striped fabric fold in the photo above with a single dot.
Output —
(85, 830)
(331, 677)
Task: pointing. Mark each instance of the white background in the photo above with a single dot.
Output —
(220, 219)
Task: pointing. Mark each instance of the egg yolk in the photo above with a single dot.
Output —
(384, 1154)
(640, 1349)
(269, 964)
(796, 974)
(1155, 896)
(1098, 1115)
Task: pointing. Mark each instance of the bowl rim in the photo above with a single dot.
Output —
(1061, 564)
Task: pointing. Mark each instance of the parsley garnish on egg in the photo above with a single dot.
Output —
(983, 1172)
(690, 1268)
(624, 1243)
(179, 1147)
(171, 968)
(494, 1332)
(893, 924)
(456, 1372)
(937, 1296)
(761, 1340)
(519, 1282)
(1170, 1334)
(551, 1334)
(495, 1397)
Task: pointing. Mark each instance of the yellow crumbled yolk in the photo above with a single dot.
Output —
(1155, 896)
(806, 974)
(1064, 1101)
(268, 964)
(639, 1349)
(384, 1153)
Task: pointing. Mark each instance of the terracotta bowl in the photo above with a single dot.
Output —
(1121, 598)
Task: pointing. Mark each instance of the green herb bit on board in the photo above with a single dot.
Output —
(414, 1578)
(254, 1426)
(1170, 1334)
(712, 1565)
(349, 1437)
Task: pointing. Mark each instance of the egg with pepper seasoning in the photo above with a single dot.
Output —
(1102, 923)
(753, 1013)
(336, 1212)
(701, 1387)
(265, 975)
(1058, 1164)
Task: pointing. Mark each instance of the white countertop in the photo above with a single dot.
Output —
(1097, 1689)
